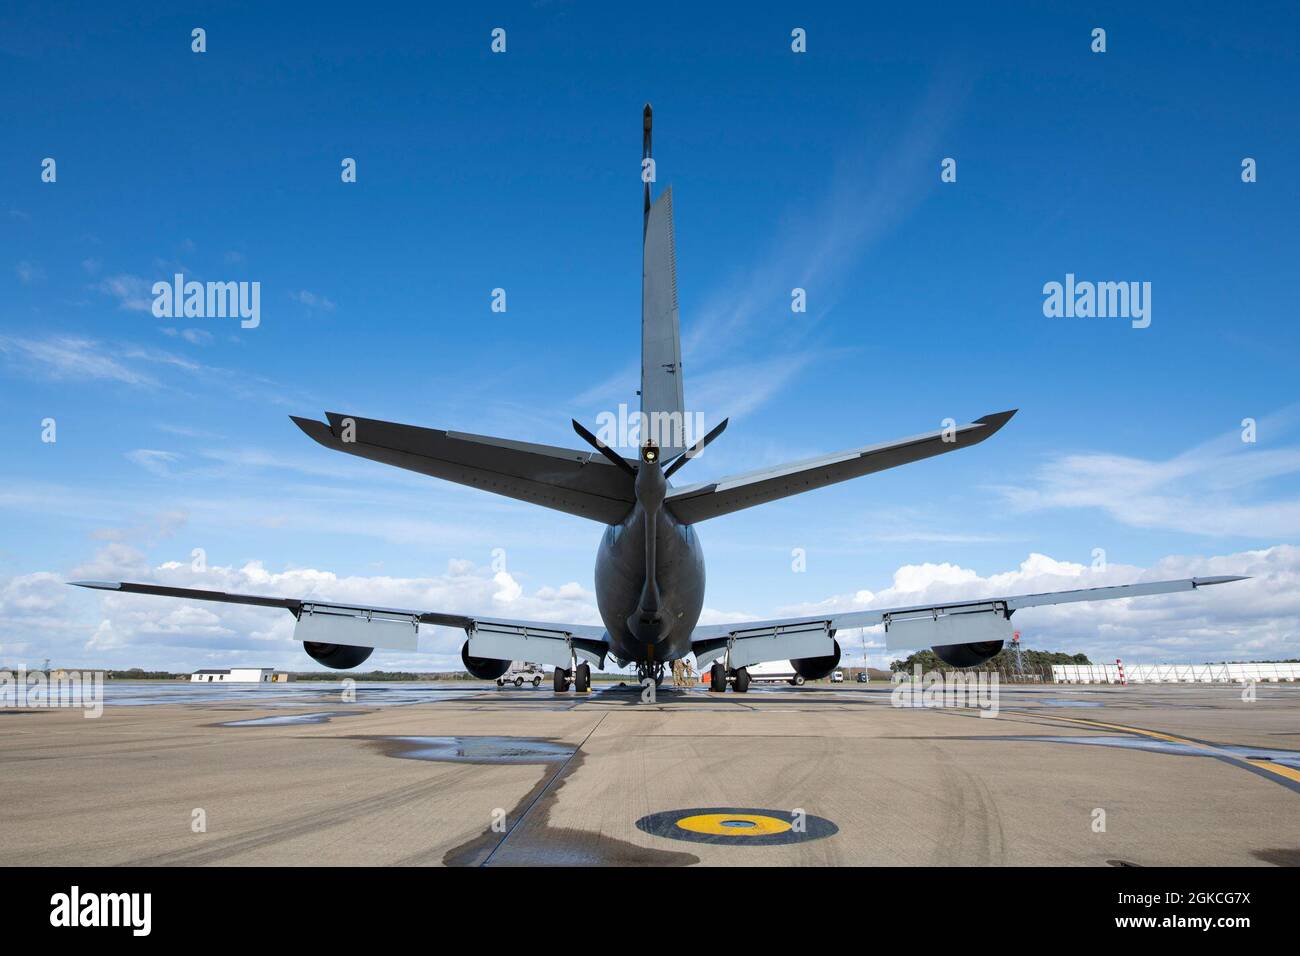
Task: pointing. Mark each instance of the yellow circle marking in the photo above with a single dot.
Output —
(734, 824)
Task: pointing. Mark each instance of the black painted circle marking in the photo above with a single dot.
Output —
(736, 826)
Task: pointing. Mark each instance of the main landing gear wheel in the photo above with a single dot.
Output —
(561, 680)
(740, 683)
(582, 678)
(717, 679)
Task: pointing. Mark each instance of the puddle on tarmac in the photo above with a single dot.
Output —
(289, 720)
(291, 694)
(1287, 758)
(1068, 702)
(475, 749)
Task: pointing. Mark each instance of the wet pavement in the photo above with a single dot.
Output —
(468, 774)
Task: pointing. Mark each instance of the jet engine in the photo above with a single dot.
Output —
(815, 668)
(338, 656)
(484, 668)
(967, 655)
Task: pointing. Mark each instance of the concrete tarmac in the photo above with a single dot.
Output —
(466, 774)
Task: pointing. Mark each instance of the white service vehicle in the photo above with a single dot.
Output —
(837, 677)
(774, 672)
(521, 674)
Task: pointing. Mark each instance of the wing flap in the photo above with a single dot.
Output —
(777, 643)
(328, 624)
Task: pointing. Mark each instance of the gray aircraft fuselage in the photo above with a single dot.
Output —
(621, 582)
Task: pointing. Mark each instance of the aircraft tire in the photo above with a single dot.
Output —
(717, 679)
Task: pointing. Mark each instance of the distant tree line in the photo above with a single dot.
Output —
(1004, 660)
(138, 673)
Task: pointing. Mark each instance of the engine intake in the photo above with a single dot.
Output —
(337, 656)
(967, 655)
(815, 668)
(484, 668)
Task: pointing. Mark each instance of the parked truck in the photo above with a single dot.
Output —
(521, 673)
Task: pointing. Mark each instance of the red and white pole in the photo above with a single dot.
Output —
(1120, 664)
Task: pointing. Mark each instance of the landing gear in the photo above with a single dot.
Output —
(561, 680)
(582, 678)
(740, 680)
(717, 678)
(656, 672)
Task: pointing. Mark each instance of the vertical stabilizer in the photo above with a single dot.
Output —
(661, 350)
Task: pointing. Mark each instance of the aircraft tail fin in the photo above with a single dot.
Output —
(661, 350)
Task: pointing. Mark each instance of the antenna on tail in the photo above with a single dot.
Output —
(647, 117)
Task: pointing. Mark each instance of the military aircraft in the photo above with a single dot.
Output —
(649, 573)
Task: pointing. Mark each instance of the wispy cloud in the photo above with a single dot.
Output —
(742, 346)
(312, 300)
(1220, 487)
(131, 292)
(816, 247)
(29, 272)
(63, 357)
(70, 357)
(733, 390)
(154, 461)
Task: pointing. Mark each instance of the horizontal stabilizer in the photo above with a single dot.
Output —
(692, 503)
(576, 482)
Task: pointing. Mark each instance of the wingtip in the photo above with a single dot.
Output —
(997, 419)
(316, 430)
(1221, 579)
(98, 585)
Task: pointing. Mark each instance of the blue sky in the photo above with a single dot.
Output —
(519, 170)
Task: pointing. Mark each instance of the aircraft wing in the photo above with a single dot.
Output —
(359, 625)
(579, 483)
(906, 628)
(692, 503)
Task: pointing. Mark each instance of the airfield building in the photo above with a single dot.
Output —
(234, 675)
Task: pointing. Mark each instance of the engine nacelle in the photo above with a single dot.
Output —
(337, 656)
(484, 668)
(967, 655)
(815, 668)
